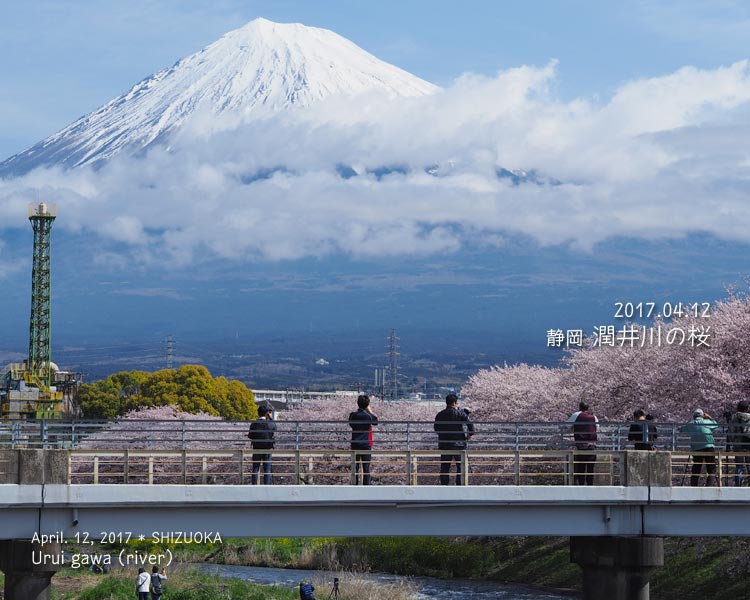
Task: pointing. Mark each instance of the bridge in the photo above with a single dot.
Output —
(516, 482)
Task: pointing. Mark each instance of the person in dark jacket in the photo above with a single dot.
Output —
(361, 422)
(156, 583)
(585, 427)
(306, 590)
(262, 432)
(739, 440)
(643, 431)
(454, 428)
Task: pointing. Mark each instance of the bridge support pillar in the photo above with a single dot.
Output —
(34, 466)
(617, 568)
(28, 568)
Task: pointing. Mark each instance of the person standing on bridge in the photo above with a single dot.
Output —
(643, 431)
(739, 439)
(702, 446)
(454, 428)
(361, 422)
(262, 432)
(585, 426)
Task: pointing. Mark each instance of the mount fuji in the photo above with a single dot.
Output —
(257, 70)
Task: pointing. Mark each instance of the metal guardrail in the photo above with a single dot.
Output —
(204, 451)
(405, 467)
(319, 435)
(333, 467)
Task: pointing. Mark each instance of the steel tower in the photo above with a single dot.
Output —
(42, 217)
(169, 344)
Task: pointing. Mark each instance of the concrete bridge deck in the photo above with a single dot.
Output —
(321, 511)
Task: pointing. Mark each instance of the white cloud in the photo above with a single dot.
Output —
(663, 157)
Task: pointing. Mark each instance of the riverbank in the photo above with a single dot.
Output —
(540, 562)
(183, 584)
(188, 583)
(701, 568)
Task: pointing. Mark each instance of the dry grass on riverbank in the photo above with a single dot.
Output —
(183, 584)
(354, 586)
(286, 553)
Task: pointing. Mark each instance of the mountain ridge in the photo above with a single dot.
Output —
(257, 70)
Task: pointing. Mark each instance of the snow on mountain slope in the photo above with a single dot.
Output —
(258, 69)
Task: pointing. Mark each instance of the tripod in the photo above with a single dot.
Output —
(335, 589)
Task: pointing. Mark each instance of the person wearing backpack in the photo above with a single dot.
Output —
(306, 591)
(261, 434)
(739, 439)
(585, 426)
(156, 588)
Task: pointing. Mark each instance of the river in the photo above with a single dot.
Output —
(429, 588)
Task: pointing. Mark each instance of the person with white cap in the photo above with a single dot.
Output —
(702, 446)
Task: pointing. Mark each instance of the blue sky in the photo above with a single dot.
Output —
(60, 60)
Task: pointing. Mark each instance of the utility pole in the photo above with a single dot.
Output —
(169, 348)
(380, 382)
(392, 389)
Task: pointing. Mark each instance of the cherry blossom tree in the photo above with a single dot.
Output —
(706, 366)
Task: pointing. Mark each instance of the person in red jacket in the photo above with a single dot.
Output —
(361, 422)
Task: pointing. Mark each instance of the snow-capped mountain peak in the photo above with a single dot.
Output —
(260, 68)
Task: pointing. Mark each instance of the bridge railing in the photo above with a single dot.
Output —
(317, 435)
(388, 467)
(335, 467)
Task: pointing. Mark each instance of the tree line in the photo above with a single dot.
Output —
(190, 388)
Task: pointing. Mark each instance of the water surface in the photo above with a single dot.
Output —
(429, 587)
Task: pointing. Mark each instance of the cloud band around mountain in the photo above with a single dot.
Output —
(371, 176)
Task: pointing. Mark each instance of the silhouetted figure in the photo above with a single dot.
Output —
(585, 426)
(361, 422)
(262, 432)
(454, 428)
(643, 431)
(739, 440)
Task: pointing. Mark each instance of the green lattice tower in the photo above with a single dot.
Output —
(41, 216)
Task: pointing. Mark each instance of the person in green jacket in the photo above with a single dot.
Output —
(702, 445)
